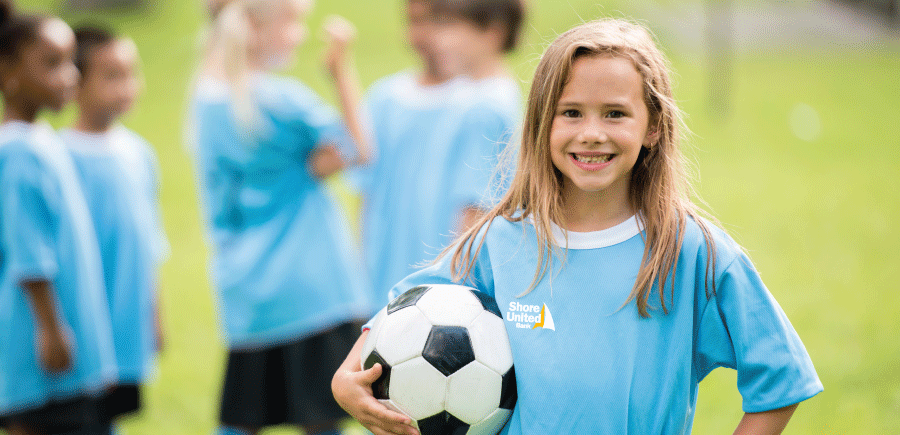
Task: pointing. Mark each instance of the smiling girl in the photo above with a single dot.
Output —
(598, 229)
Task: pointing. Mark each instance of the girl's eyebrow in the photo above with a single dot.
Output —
(614, 104)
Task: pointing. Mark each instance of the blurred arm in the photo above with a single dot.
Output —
(340, 35)
(52, 345)
(765, 423)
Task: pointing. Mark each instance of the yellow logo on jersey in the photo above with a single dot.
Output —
(546, 321)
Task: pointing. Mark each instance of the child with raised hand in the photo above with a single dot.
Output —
(56, 353)
(290, 288)
(438, 131)
(598, 229)
(119, 174)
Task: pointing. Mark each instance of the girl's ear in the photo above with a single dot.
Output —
(651, 138)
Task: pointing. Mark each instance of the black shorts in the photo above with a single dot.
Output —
(123, 400)
(77, 415)
(286, 384)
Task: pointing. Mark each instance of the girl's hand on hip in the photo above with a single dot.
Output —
(324, 161)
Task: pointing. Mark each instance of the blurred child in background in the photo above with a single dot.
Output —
(438, 131)
(56, 351)
(289, 284)
(118, 170)
(471, 39)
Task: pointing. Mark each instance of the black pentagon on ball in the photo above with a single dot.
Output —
(448, 349)
(508, 392)
(442, 423)
(487, 302)
(380, 386)
(407, 299)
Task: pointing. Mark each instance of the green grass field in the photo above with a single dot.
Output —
(817, 216)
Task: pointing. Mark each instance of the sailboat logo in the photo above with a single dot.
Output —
(546, 320)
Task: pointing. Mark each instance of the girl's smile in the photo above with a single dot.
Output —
(599, 128)
(592, 161)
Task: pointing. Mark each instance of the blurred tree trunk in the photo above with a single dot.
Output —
(719, 52)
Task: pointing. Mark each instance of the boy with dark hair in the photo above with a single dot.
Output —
(119, 174)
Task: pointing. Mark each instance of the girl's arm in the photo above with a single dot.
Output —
(352, 389)
(53, 347)
(765, 423)
(340, 35)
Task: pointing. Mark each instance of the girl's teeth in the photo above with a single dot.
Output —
(593, 159)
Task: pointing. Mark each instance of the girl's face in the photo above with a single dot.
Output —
(599, 127)
(276, 39)
(46, 73)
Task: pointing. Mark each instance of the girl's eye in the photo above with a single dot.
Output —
(571, 113)
(615, 114)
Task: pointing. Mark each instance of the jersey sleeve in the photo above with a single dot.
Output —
(482, 138)
(744, 328)
(28, 208)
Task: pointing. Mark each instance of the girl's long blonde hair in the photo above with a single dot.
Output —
(229, 42)
(660, 191)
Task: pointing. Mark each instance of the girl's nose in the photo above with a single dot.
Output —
(592, 133)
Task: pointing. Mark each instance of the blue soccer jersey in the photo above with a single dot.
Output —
(283, 260)
(119, 177)
(436, 151)
(587, 363)
(46, 234)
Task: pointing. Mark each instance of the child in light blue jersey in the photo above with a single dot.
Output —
(56, 352)
(119, 175)
(618, 298)
(289, 283)
(438, 132)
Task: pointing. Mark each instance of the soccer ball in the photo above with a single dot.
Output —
(446, 360)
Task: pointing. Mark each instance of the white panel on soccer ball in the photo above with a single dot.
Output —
(408, 323)
(492, 424)
(473, 392)
(490, 342)
(418, 388)
(393, 407)
(465, 305)
(369, 344)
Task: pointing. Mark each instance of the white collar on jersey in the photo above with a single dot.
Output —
(407, 89)
(84, 142)
(40, 130)
(211, 88)
(597, 239)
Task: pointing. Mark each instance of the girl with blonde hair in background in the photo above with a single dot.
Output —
(288, 281)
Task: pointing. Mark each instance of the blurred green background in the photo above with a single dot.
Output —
(796, 135)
